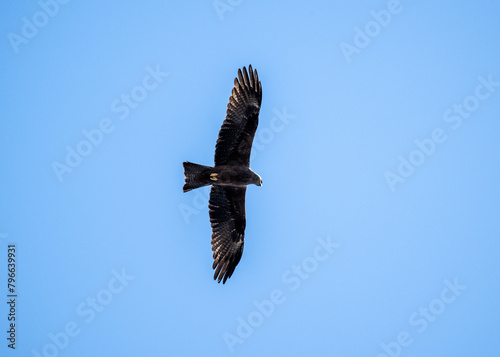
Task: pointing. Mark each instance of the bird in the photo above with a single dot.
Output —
(230, 174)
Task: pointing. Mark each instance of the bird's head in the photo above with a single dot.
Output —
(256, 180)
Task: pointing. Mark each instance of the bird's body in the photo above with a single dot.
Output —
(231, 173)
(223, 175)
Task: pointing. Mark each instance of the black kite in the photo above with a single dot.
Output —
(231, 173)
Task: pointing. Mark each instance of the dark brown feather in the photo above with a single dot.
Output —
(227, 217)
(234, 143)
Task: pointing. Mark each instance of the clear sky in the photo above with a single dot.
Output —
(375, 233)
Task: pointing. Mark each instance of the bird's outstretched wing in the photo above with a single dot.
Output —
(234, 143)
(227, 216)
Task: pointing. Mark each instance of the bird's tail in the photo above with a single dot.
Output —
(196, 176)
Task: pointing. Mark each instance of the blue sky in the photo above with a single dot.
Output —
(375, 232)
